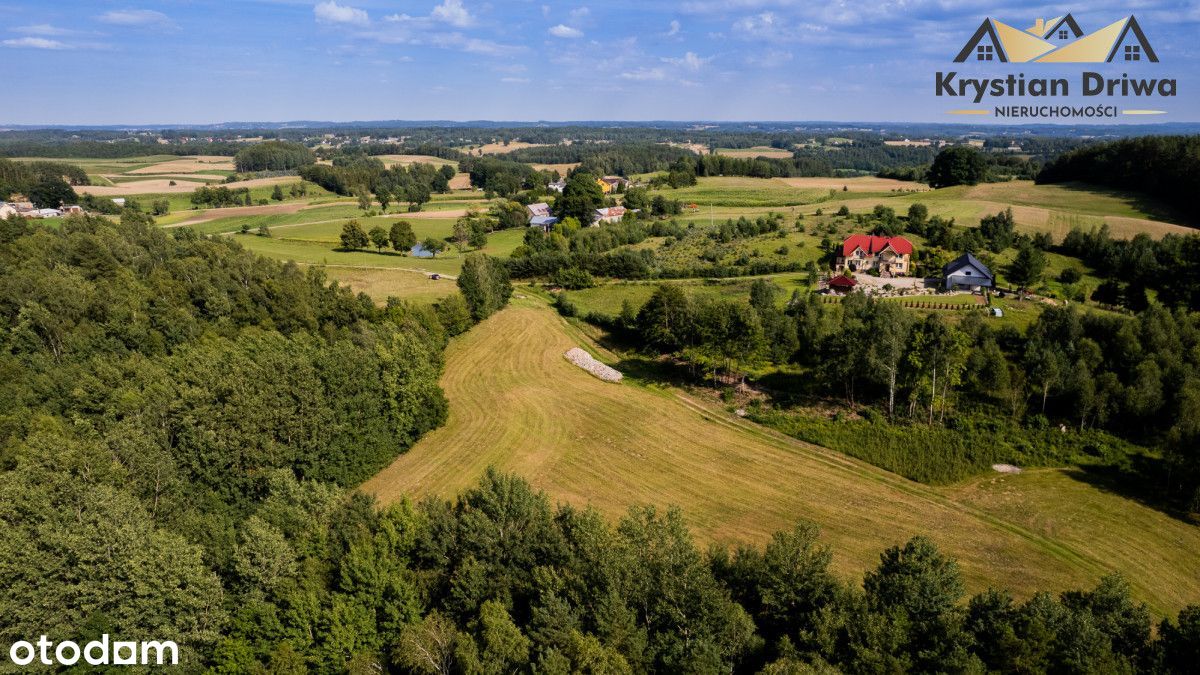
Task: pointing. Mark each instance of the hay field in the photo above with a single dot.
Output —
(502, 149)
(188, 165)
(408, 160)
(857, 184)
(755, 152)
(380, 283)
(517, 404)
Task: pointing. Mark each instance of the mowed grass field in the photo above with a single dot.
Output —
(517, 404)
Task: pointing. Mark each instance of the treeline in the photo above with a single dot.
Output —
(502, 176)
(375, 149)
(1167, 167)
(69, 148)
(364, 176)
(179, 420)
(221, 197)
(1169, 267)
(273, 156)
(605, 159)
(1133, 378)
(46, 184)
(498, 580)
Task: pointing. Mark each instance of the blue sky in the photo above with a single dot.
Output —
(198, 61)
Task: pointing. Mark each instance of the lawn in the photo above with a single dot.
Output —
(517, 404)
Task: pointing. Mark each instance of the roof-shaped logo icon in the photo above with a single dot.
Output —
(1058, 40)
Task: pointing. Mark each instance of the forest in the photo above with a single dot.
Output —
(273, 156)
(46, 184)
(1166, 167)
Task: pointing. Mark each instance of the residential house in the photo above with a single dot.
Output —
(891, 256)
(547, 223)
(966, 273)
(72, 209)
(616, 183)
(48, 213)
(539, 210)
(557, 186)
(612, 214)
(119, 201)
(604, 187)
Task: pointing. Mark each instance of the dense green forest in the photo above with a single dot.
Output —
(965, 393)
(362, 175)
(273, 156)
(1167, 167)
(46, 184)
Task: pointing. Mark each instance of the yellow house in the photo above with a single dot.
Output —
(604, 187)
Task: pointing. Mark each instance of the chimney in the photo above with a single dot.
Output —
(1039, 27)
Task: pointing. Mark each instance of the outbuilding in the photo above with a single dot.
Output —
(967, 273)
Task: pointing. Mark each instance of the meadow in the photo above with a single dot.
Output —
(517, 404)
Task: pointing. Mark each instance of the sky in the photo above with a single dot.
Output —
(206, 61)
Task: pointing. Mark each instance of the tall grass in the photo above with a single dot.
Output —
(939, 455)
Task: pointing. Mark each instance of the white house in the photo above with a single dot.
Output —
(557, 186)
(612, 214)
(968, 274)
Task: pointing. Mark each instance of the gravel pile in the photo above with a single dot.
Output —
(584, 360)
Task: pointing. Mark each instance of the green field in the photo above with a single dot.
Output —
(322, 252)
(745, 192)
(516, 404)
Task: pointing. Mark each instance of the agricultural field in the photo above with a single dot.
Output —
(588, 442)
(755, 152)
(315, 244)
(749, 192)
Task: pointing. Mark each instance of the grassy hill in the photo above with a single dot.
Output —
(518, 405)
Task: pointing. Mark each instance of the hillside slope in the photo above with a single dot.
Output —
(516, 403)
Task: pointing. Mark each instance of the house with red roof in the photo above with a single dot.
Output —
(842, 284)
(891, 256)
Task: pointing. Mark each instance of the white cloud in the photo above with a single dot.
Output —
(674, 29)
(44, 29)
(690, 61)
(137, 17)
(331, 12)
(579, 14)
(34, 43)
(564, 31)
(453, 13)
(515, 80)
(772, 58)
(645, 75)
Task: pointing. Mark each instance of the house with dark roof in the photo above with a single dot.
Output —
(967, 273)
(890, 256)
